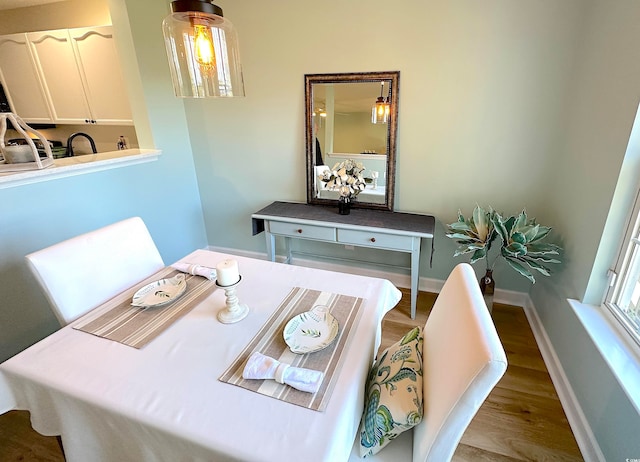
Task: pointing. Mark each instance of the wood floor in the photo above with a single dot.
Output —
(522, 418)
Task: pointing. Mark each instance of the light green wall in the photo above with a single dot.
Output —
(482, 86)
(354, 132)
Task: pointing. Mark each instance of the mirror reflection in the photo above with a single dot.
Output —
(352, 116)
(343, 121)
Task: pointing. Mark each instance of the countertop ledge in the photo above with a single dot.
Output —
(79, 165)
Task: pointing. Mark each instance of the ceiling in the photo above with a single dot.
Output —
(10, 4)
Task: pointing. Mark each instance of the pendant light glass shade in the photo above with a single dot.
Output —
(381, 109)
(202, 47)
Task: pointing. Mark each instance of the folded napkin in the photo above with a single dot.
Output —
(196, 270)
(260, 366)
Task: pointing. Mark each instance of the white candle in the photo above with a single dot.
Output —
(227, 272)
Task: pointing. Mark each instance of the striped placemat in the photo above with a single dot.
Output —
(270, 342)
(134, 326)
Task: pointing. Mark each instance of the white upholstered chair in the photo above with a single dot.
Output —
(463, 361)
(80, 273)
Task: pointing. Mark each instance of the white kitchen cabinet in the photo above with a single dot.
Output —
(103, 80)
(55, 59)
(81, 75)
(21, 80)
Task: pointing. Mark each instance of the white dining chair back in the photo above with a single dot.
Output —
(80, 273)
(319, 170)
(463, 361)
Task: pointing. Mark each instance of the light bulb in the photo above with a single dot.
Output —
(203, 44)
(380, 111)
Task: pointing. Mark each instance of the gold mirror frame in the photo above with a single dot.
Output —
(392, 78)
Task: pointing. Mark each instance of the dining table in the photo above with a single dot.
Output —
(171, 396)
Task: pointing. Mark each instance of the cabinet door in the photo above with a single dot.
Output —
(54, 56)
(21, 81)
(102, 73)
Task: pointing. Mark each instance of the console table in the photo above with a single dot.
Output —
(377, 229)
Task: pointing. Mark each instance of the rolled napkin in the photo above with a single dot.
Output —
(260, 366)
(196, 270)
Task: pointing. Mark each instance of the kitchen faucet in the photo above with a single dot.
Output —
(69, 152)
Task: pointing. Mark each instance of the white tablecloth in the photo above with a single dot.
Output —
(111, 402)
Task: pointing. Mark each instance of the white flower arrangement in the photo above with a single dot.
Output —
(346, 177)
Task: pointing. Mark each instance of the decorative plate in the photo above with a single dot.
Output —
(311, 331)
(159, 293)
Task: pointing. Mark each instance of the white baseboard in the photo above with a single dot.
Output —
(579, 425)
(507, 297)
(585, 438)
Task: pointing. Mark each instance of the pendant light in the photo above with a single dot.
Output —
(380, 110)
(203, 52)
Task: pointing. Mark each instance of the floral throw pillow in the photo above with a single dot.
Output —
(393, 401)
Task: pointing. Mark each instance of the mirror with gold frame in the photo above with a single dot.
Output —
(341, 124)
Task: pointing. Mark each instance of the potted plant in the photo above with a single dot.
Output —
(521, 244)
(347, 178)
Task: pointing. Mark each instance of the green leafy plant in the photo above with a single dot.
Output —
(520, 237)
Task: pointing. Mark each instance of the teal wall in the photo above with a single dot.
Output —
(524, 104)
(164, 193)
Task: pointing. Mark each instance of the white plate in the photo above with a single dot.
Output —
(160, 292)
(310, 331)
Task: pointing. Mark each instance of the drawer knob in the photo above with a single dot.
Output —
(299, 231)
(373, 239)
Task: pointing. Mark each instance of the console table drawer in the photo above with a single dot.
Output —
(373, 239)
(375, 229)
(302, 231)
